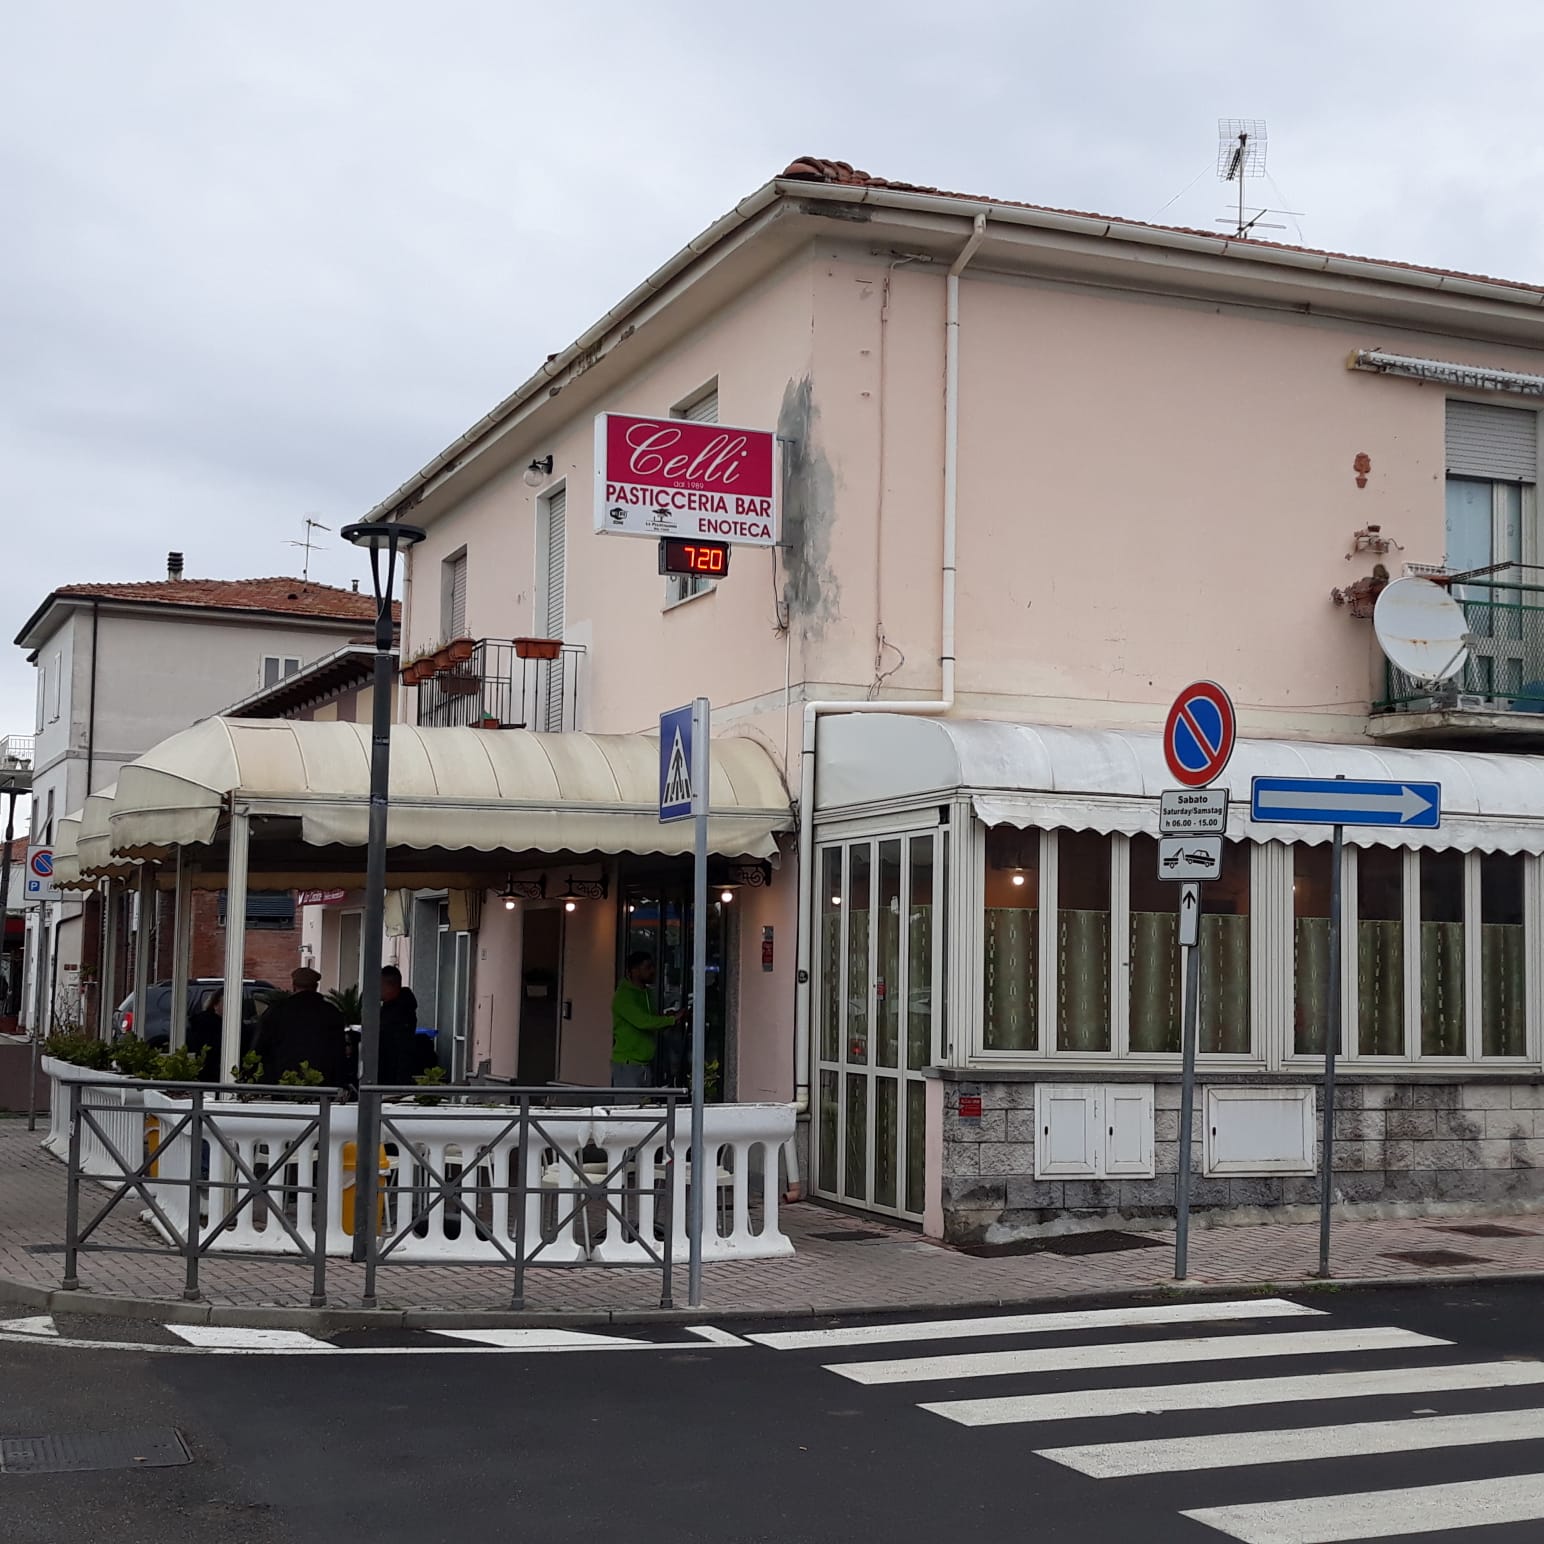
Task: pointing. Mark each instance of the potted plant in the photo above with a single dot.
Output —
(442, 659)
(461, 650)
(538, 648)
(490, 721)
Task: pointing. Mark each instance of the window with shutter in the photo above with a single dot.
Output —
(553, 569)
(453, 596)
(701, 409)
(1492, 459)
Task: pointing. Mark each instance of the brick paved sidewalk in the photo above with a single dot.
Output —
(842, 1263)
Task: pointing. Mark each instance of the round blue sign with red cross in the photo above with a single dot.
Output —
(1198, 737)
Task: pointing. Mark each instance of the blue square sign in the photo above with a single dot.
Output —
(675, 764)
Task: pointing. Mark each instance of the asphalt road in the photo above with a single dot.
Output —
(417, 1438)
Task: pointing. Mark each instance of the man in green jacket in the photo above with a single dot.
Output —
(635, 1024)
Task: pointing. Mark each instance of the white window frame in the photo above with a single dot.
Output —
(55, 686)
(1413, 1059)
(680, 589)
(280, 660)
(1258, 1057)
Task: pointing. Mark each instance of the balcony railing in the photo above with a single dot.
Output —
(1504, 672)
(497, 689)
(16, 751)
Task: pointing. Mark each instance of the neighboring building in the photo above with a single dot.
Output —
(1041, 469)
(120, 667)
(336, 688)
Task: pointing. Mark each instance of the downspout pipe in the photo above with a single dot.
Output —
(942, 704)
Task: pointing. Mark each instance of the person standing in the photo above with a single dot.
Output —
(404, 1052)
(304, 1027)
(635, 1026)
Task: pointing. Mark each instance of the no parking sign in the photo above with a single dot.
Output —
(1198, 737)
(40, 876)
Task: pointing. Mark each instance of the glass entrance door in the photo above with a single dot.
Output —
(879, 991)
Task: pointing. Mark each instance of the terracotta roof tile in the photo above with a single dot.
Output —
(295, 597)
(840, 173)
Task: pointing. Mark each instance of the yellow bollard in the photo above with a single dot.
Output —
(153, 1143)
(383, 1173)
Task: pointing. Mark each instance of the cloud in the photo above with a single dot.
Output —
(267, 260)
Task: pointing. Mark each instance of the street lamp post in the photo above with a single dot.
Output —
(379, 538)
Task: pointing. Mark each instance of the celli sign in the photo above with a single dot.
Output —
(671, 477)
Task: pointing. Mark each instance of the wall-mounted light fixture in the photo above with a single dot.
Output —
(584, 890)
(538, 471)
(523, 890)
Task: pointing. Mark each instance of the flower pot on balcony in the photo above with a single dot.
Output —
(412, 674)
(442, 660)
(454, 685)
(538, 648)
(461, 650)
(489, 721)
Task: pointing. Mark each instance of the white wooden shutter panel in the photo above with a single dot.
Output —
(455, 626)
(1495, 442)
(553, 606)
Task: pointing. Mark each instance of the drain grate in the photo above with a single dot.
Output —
(847, 1236)
(1436, 1257)
(152, 1447)
(1490, 1230)
(1100, 1242)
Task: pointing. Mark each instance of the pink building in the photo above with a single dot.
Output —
(1040, 469)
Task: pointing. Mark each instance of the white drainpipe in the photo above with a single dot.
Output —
(945, 701)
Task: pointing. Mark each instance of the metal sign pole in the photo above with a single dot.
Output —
(1187, 1097)
(704, 1172)
(1331, 1047)
(45, 911)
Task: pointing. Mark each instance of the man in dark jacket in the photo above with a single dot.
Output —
(304, 1027)
(404, 1052)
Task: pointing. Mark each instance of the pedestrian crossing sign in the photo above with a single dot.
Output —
(675, 764)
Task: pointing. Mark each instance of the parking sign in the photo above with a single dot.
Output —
(40, 886)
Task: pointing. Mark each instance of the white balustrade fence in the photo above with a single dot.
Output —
(429, 1147)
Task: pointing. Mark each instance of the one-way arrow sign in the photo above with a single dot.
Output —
(1190, 916)
(1336, 801)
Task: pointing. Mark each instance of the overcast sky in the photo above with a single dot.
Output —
(265, 259)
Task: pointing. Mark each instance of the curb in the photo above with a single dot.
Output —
(331, 1320)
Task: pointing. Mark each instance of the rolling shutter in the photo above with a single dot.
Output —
(1501, 443)
(704, 410)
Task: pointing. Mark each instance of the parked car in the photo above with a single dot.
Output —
(157, 1027)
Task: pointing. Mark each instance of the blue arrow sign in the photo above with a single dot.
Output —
(1338, 801)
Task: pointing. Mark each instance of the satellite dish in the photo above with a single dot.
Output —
(1421, 629)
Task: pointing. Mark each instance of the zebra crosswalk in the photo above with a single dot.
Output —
(1248, 1452)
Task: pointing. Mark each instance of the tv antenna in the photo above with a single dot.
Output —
(308, 525)
(1241, 155)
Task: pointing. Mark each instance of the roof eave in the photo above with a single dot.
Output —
(1519, 299)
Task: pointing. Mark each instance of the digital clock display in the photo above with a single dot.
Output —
(678, 555)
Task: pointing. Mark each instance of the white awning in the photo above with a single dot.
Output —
(451, 789)
(1108, 780)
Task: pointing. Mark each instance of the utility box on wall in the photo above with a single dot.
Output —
(1093, 1131)
(1258, 1131)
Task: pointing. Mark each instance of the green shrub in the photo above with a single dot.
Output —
(348, 1002)
(181, 1066)
(134, 1058)
(303, 1076)
(80, 1051)
(250, 1069)
(429, 1079)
